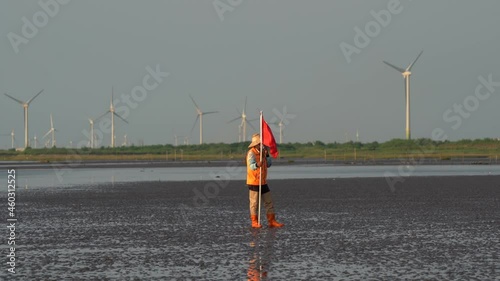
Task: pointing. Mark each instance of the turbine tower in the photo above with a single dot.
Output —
(25, 106)
(113, 114)
(35, 141)
(406, 75)
(244, 121)
(13, 139)
(239, 132)
(93, 139)
(51, 131)
(125, 142)
(200, 116)
(92, 136)
(281, 125)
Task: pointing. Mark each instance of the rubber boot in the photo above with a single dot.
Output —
(271, 219)
(255, 221)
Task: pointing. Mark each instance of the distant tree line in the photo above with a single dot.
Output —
(312, 148)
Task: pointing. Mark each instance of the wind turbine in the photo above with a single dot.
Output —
(12, 137)
(281, 125)
(35, 141)
(51, 131)
(239, 132)
(200, 116)
(92, 136)
(175, 138)
(25, 106)
(184, 139)
(93, 139)
(113, 114)
(406, 75)
(244, 121)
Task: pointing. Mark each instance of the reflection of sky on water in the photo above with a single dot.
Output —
(84, 176)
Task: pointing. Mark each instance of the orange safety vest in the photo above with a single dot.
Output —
(254, 176)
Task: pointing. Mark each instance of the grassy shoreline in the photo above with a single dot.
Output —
(350, 151)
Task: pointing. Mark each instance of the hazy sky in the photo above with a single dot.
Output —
(282, 53)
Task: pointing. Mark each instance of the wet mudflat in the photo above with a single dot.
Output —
(343, 229)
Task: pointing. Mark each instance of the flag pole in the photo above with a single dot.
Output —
(260, 174)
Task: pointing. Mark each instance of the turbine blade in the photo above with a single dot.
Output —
(120, 117)
(14, 99)
(275, 123)
(245, 107)
(194, 125)
(210, 112)
(251, 125)
(411, 65)
(102, 115)
(395, 67)
(30, 100)
(51, 121)
(232, 120)
(195, 105)
(112, 94)
(46, 134)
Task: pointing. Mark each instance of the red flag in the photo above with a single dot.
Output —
(268, 138)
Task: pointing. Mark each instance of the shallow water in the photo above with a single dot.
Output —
(30, 178)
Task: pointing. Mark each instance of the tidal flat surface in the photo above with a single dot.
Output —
(433, 228)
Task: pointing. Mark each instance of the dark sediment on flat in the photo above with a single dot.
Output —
(343, 229)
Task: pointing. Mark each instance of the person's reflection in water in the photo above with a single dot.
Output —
(262, 249)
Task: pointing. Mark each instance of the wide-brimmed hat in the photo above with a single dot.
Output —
(255, 140)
